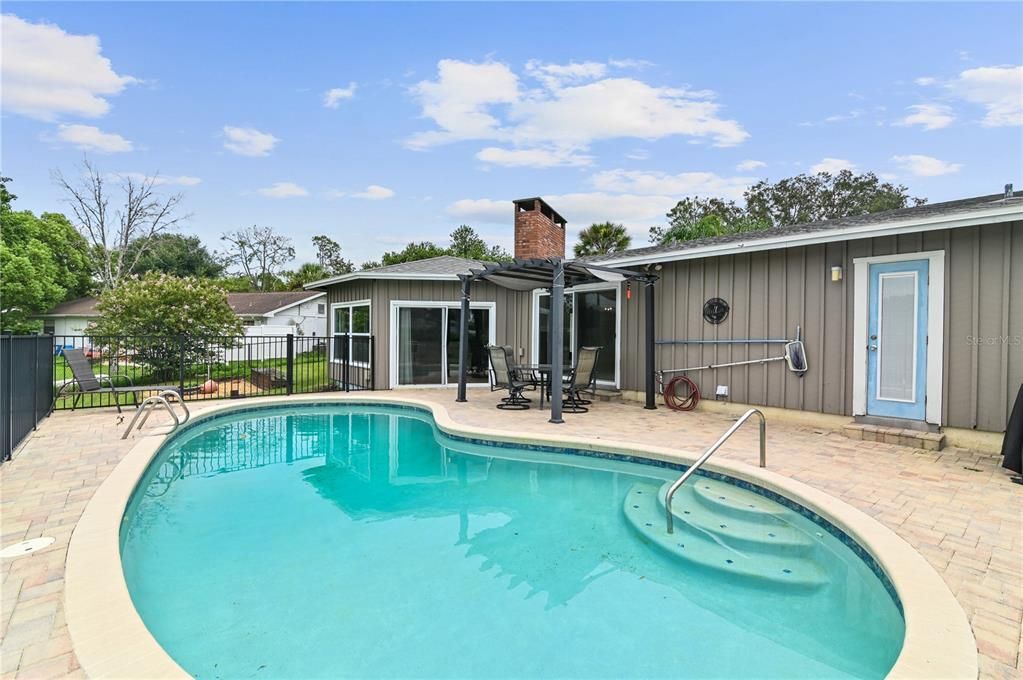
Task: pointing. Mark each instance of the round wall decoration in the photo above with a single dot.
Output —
(715, 310)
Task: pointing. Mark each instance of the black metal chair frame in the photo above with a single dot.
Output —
(572, 387)
(514, 401)
(89, 383)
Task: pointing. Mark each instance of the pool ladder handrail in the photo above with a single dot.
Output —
(150, 403)
(677, 484)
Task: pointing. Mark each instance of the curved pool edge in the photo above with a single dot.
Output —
(110, 639)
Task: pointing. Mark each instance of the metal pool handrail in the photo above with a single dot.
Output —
(677, 484)
(159, 400)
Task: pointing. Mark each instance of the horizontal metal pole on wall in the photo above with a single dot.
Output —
(758, 341)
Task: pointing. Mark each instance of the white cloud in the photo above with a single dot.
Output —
(534, 158)
(924, 81)
(91, 138)
(333, 97)
(750, 165)
(999, 89)
(160, 180)
(459, 99)
(682, 184)
(249, 141)
(832, 165)
(374, 192)
(926, 166)
(575, 105)
(47, 72)
(929, 116)
(554, 76)
(283, 190)
(638, 155)
(842, 117)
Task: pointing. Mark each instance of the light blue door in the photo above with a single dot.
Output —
(897, 340)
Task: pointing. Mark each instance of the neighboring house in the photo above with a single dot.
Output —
(911, 317)
(296, 312)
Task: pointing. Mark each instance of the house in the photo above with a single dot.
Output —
(296, 312)
(910, 318)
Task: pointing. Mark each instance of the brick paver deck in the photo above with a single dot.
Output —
(957, 508)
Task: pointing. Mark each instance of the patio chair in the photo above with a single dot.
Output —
(525, 375)
(582, 378)
(89, 383)
(502, 378)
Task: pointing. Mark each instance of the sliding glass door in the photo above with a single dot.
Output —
(591, 320)
(426, 344)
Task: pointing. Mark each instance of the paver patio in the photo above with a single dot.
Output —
(959, 509)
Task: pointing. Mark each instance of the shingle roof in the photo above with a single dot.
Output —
(83, 306)
(443, 265)
(243, 304)
(248, 304)
(923, 212)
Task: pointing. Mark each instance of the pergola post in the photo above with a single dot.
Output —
(651, 346)
(557, 332)
(463, 343)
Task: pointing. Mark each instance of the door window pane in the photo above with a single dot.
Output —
(897, 337)
(544, 329)
(596, 326)
(420, 346)
(478, 339)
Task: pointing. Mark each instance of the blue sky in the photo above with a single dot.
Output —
(379, 124)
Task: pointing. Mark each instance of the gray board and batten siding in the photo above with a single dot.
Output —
(770, 292)
(511, 309)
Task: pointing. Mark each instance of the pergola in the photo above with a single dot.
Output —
(555, 274)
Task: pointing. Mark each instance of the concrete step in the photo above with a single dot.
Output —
(930, 441)
(714, 552)
(606, 394)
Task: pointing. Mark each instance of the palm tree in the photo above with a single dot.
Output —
(602, 239)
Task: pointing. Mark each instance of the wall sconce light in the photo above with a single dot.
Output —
(836, 273)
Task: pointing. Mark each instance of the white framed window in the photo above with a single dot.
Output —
(350, 330)
(592, 318)
(321, 309)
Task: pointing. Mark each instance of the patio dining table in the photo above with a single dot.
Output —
(543, 372)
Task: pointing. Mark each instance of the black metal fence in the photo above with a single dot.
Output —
(26, 389)
(213, 368)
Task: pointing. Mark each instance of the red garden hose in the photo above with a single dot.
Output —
(675, 401)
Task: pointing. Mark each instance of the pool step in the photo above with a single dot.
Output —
(716, 551)
(730, 513)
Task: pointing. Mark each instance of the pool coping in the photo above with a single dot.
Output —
(110, 639)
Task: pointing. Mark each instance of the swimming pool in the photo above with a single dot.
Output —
(359, 540)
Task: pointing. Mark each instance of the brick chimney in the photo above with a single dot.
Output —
(539, 230)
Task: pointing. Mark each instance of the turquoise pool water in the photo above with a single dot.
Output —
(359, 541)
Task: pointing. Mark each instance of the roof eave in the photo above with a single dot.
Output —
(993, 216)
(408, 276)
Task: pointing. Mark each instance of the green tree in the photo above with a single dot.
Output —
(809, 198)
(307, 273)
(465, 242)
(189, 310)
(328, 255)
(43, 261)
(602, 239)
(176, 255)
(369, 264)
(420, 250)
(795, 200)
(696, 217)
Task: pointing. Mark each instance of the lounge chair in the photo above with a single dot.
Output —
(503, 378)
(89, 383)
(582, 377)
